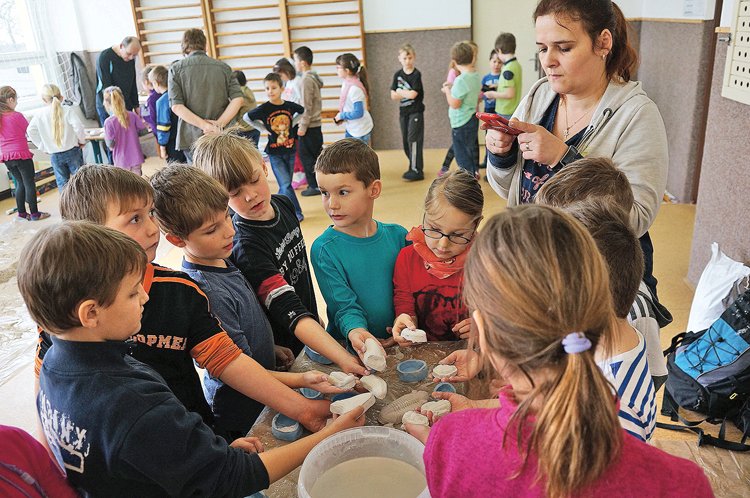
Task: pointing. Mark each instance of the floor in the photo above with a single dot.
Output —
(400, 202)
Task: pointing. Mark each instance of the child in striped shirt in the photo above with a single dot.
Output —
(624, 360)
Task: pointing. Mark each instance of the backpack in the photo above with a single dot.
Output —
(709, 373)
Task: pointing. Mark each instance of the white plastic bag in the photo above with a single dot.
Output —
(721, 282)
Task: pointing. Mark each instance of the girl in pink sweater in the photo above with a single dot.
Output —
(540, 291)
(15, 153)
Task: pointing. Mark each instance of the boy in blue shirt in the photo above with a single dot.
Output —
(354, 258)
(462, 97)
(489, 82)
(489, 87)
(191, 208)
(165, 119)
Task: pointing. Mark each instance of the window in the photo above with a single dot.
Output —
(26, 63)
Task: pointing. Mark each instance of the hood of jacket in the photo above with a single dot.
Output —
(314, 76)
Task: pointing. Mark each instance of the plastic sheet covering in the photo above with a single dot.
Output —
(431, 353)
(728, 471)
(18, 336)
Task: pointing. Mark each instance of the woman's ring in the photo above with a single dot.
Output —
(528, 148)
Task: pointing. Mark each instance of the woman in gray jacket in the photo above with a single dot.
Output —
(585, 106)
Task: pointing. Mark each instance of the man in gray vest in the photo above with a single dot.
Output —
(203, 92)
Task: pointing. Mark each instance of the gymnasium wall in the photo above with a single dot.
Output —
(675, 76)
(432, 27)
(721, 213)
(433, 56)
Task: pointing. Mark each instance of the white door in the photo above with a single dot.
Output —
(492, 17)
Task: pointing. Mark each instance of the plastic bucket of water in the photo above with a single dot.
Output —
(368, 441)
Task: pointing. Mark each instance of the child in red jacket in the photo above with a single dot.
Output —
(428, 274)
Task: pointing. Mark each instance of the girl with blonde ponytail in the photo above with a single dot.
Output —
(58, 130)
(539, 291)
(121, 131)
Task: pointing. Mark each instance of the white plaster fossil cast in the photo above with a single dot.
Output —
(374, 355)
(343, 406)
(342, 380)
(393, 412)
(416, 335)
(444, 371)
(437, 408)
(412, 417)
(375, 385)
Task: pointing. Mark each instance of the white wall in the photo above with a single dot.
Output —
(90, 24)
(513, 16)
(669, 9)
(727, 12)
(631, 8)
(678, 9)
(393, 15)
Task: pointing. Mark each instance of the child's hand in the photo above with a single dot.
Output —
(403, 321)
(248, 444)
(349, 420)
(466, 361)
(284, 358)
(358, 337)
(463, 329)
(314, 414)
(457, 401)
(352, 365)
(162, 152)
(418, 431)
(317, 380)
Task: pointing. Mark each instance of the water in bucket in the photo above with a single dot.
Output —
(370, 477)
(364, 462)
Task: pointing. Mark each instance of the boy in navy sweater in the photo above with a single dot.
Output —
(116, 426)
(191, 209)
(177, 327)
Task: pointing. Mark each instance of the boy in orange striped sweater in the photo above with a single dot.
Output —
(176, 327)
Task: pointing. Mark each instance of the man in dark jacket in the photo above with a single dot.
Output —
(115, 66)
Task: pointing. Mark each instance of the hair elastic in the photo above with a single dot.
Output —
(576, 342)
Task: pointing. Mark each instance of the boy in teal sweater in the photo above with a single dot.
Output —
(354, 258)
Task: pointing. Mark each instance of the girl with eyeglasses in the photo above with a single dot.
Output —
(428, 275)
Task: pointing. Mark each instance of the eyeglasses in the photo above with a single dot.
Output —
(455, 238)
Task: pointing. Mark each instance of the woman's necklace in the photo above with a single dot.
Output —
(567, 128)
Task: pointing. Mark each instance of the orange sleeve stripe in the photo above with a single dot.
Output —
(178, 280)
(148, 277)
(37, 360)
(216, 353)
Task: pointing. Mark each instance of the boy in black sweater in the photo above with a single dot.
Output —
(118, 428)
(269, 249)
(177, 327)
(407, 89)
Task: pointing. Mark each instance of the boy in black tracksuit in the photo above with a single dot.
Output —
(115, 424)
(407, 89)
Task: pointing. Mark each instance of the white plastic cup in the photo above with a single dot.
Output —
(360, 442)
